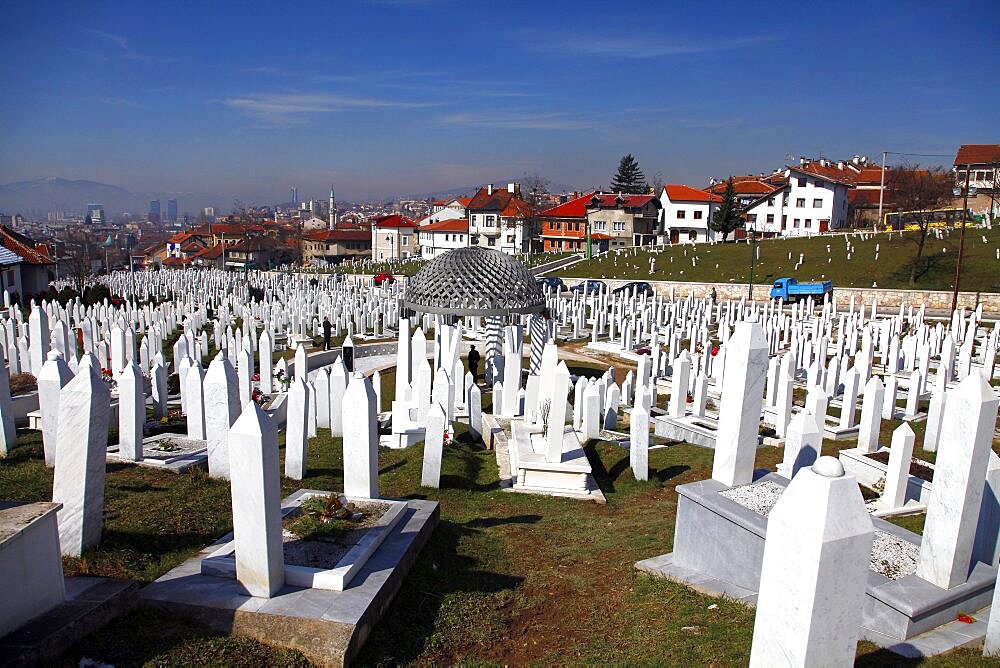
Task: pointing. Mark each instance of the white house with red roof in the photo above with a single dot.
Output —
(441, 231)
(500, 219)
(393, 237)
(813, 201)
(686, 213)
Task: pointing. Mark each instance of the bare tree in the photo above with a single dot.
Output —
(657, 183)
(918, 193)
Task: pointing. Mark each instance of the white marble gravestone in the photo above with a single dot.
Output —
(222, 408)
(959, 475)
(131, 412)
(296, 429)
(256, 499)
(814, 572)
(81, 455)
(740, 405)
(360, 440)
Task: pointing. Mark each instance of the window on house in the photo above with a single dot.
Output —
(980, 176)
(817, 203)
(770, 201)
(784, 222)
(800, 202)
(784, 200)
(770, 217)
(490, 220)
(809, 223)
(681, 214)
(802, 181)
(697, 215)
(693, 235)
(795, 223)
(818, 184)
(510, 238)
(492, 241)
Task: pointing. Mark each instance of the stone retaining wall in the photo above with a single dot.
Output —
(933, 299)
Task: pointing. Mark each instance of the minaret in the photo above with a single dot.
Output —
(333, 210)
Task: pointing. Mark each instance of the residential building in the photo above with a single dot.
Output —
(393, 237)
(323, 248)
(258, 253)
(35, 269)
(316, 223)
(458, 204)
(501, 220)
(95, 214)
(626, 220)
(445, 231)
(564, 226)
(748, 189)
(814, 201)
(686, 213)
(982, 164)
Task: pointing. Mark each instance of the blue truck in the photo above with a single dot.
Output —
(790, 290)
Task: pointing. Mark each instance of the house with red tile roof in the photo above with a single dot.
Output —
(614, 221)
(323, 248)
(393, 237)
(442, 230)
(981, 162)
(814, 201)
(686, 213)
(25, 266)
(501, 220)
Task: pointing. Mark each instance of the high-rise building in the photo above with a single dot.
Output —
(95, 214)
(172, 210)
(295, 195)
(154, 211)
(209, 213)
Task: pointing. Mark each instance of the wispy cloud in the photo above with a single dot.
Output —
(282, 109)
(120, 102)
(124, 50)
(517, 121)
(631, 47)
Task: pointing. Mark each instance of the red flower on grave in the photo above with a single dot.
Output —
(966, 619)
(715, 350)
(690, 399)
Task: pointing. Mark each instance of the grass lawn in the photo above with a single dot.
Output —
(722, 263)
(505, 578)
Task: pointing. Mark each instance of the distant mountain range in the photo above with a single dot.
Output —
(466, 191)
(36, 198)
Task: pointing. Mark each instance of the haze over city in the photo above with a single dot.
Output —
(395, 97)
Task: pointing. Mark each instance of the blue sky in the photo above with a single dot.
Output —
(400, 96)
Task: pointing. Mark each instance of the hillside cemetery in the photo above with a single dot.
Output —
(876, 520)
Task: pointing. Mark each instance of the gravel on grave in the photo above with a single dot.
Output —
(325, 553)
(892, 556)
(172, 446)
(759, 497)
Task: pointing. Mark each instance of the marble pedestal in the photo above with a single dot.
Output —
(719, 547)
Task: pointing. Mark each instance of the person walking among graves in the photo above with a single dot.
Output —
(327, 327)
(714, 295)
(474, 362)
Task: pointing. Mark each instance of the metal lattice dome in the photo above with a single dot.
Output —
(474, 281)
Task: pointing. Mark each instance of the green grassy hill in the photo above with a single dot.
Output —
(825, 258)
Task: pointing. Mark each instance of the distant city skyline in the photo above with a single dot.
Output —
(395, 97)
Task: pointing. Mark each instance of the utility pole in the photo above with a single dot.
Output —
(881, 194)
(753, 258)
(961, 239)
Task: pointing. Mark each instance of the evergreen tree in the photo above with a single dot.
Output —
(629, 179)
(728, 216)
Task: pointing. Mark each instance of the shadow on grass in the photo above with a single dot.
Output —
(446, 600)
(487, 522)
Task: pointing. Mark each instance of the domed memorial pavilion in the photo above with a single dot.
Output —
(474, 282)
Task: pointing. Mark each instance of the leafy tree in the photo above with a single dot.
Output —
(727, 217)
(629, 179)
(919, 192)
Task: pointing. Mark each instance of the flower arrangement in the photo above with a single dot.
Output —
(108, 376)
(259, 397)
(715, 350)
(283, 380)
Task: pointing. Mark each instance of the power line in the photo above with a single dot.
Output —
(922, 155)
